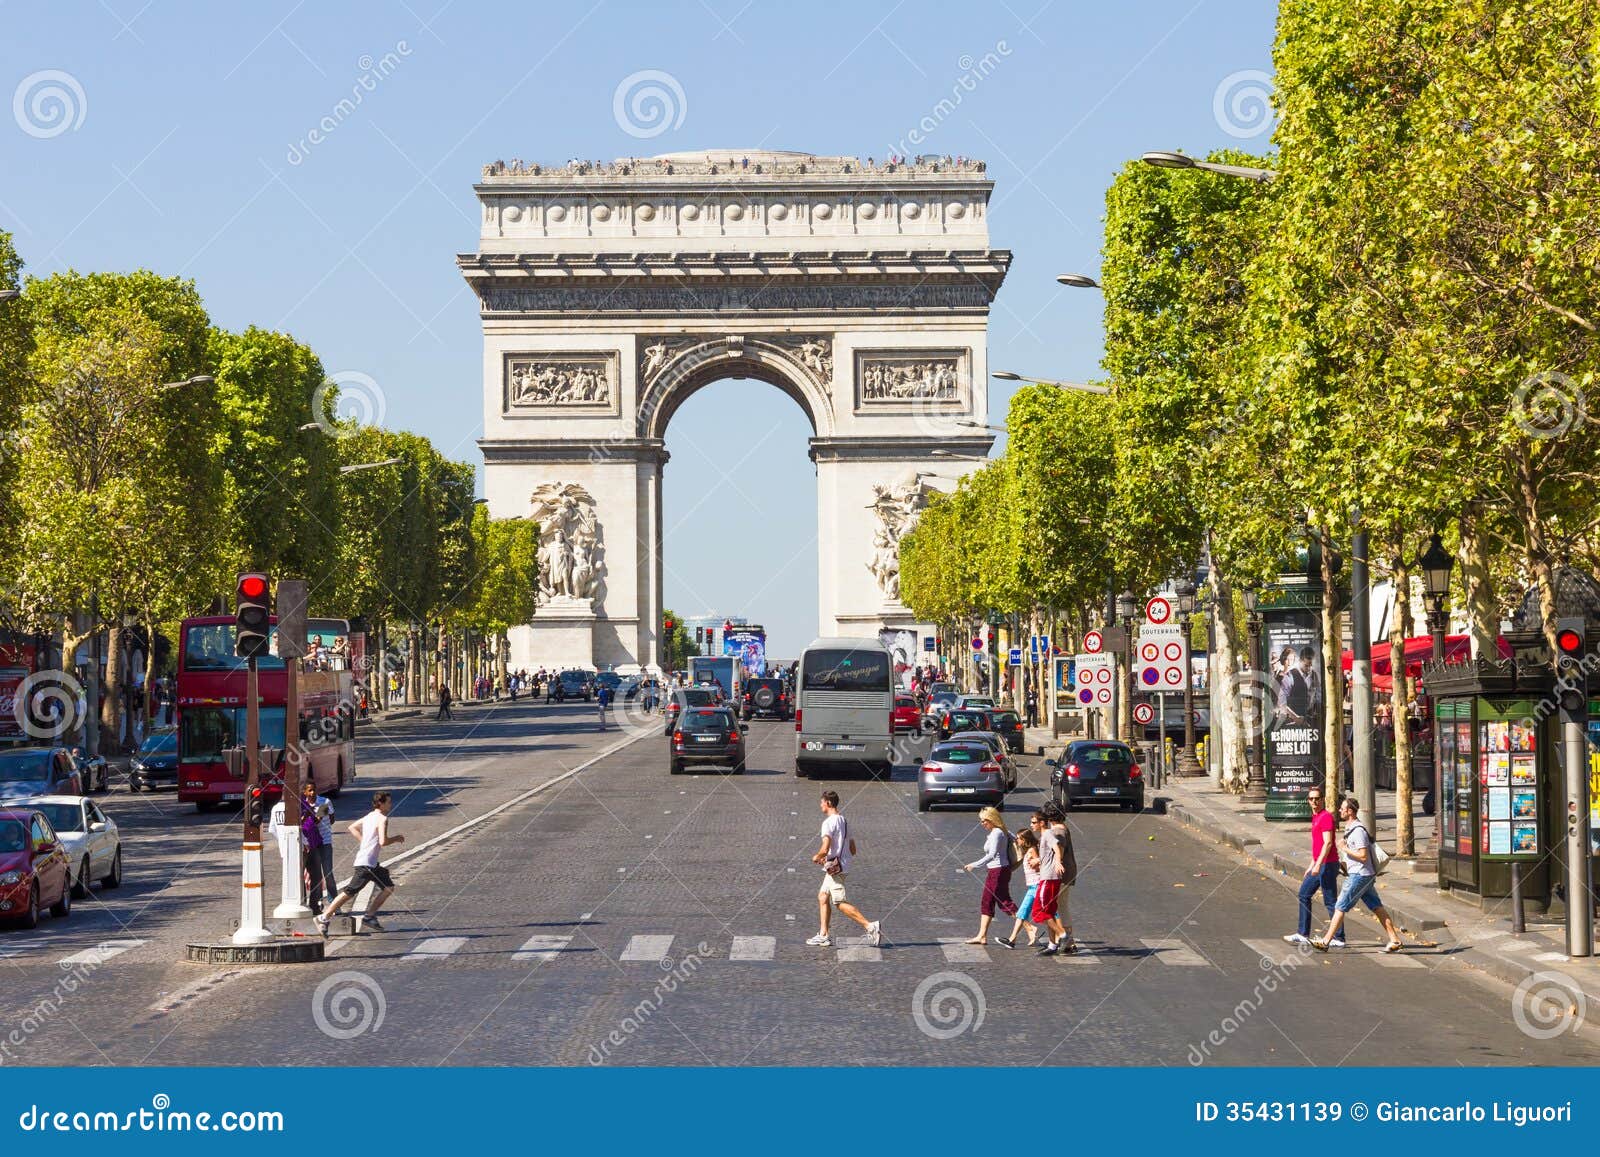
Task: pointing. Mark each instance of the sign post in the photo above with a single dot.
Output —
(252, 909)
(291, 598)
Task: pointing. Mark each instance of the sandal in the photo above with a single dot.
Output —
(977, 940)
(1393, 946)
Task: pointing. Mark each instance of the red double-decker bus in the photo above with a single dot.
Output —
(211, 708)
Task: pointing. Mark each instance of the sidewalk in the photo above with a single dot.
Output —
(1433, 920)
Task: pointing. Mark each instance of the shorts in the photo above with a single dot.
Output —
(1025, 910)
(833, 888)
(1044, 901)
(1356, 888)
(376, 875)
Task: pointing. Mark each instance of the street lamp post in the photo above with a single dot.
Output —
(1435, 564)
(1255, 789)
(9, 294)
(1188, 765)
(1164, 160)
(1127, 608)
(1080, 387)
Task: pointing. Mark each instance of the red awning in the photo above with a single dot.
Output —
(1419, 649)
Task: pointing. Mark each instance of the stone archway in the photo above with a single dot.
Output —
(611, 293)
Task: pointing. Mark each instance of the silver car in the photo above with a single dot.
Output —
(996, 744)
(960, 773)
(88, 836)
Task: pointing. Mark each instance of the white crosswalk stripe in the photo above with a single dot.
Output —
(541, 948)
(856, 950)
(753, 948)
(101, 952)
(434, 947)
(1393, 959)
(651, 948)
(1175, 953)
(1275, 953)
(957, 951)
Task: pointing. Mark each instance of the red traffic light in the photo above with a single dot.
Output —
(667, 623)
(1569, 642)
(252, 586)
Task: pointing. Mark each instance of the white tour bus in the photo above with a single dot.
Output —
(843, 695)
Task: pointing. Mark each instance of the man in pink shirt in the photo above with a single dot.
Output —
(1322, 874)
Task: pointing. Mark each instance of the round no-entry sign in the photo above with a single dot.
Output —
(977, 644)
(1143, 713)
(1158, 610)
(1093, 643)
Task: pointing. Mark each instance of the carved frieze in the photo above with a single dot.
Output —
(738, 298)
(894, 379)
(561, 381)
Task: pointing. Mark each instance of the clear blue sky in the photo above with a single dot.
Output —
(177, 159)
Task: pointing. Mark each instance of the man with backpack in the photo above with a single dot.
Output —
(1058, 871)
(1361, 862)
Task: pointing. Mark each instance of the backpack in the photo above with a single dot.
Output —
(1069, 860)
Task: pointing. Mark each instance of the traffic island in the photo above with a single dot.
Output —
(283, 950)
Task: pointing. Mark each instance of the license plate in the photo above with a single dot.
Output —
(708, 739)
(233, 798)
(847, 747)
(962, 790)
(1106, 790)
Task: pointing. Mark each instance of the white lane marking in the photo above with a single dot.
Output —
(957, 951)
(1516, 946)
(1394, 959)
(856, 950)
(753, 948)
(651, 948)
(1175, 953)
(101, 952)
(1552, 957)
(541, 948)
(1276, 952)
(435, 947)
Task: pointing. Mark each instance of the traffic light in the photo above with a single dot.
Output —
(699, 636)
(252, 617)
(252, 806)
(1570, 675)
(666, 626)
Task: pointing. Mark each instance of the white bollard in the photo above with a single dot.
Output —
(252, 929)
(291, 907)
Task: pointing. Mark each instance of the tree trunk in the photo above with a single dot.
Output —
(70, 642)
(1475, 576)
(413, 666)
(111, 699)
(1333, 753)
(1225, 677)
(149, 674)
(502, 659)
(1400, 701)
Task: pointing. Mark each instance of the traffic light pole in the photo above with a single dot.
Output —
(252, 927)
(292, 905)
(1580, 901)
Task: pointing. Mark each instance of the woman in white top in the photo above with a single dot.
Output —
(997, 884)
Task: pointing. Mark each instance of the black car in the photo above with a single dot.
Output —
(959, 719)
(30, 771)
(767, 698)
(92, 770)
(575, 685)
(707, 735)
(1008, 726)
(684, 697)
(1099, 772)
(155, 764)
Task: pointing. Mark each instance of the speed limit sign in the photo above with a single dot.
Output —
(1143, 713)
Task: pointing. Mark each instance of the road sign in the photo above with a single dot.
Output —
(1143, 713)
(1161, 656)
(929, 643)
(1158, 611)
(1014, 656)
(1094, 642)
(1094, 676)
(977, 644)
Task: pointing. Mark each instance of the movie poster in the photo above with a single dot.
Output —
(749, 646)
(1294, 727)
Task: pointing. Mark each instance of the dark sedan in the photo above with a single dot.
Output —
(31, 771)
(155, 764)
(1008, 726)
(708, 735)
(1097, 772)
(959, 719)
(685, 697)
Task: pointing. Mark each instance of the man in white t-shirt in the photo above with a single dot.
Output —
(837, 849)
(372, 830)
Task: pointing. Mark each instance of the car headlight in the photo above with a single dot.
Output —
(9, 878)
(136, 765)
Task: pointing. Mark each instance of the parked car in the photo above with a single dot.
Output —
(964, 773)
(962, 719)
(33, 868)
(684, 697)
(92, 770)
(29, 771)
(708, 735)
(905, 715)
(765, 696)
(994, 743)
(156, 762)
(88, 836)
(1097, 771)
(1008, 726)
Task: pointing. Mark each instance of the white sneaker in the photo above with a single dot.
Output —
(875, 934)
(820, 941)
(1296, 938)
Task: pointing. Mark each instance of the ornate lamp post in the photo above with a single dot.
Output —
(1127, 608)
(1436, 565)
(1255, 790)
(1188, 765)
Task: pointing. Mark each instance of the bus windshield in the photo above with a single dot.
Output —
(839, 670)
(205, 731)
(209, 647)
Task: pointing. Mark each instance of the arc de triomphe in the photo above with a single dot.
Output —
(611, 292)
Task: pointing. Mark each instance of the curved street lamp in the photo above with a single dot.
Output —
(1165, 160)
(1081, 387)
(1078, 281)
